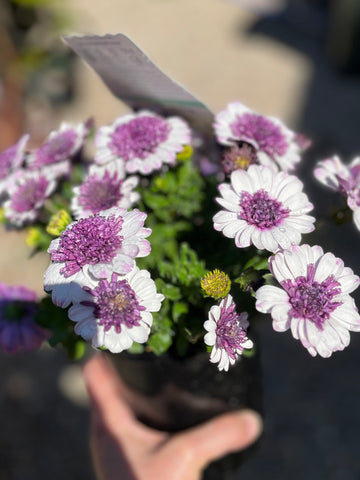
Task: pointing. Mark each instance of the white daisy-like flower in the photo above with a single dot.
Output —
(95, 247)
(60, 146)
(11, 161)
(143, 141)
(276, 145)
(226, 333)
(344, 179)
(27, 193)
(113, 313)
(314, 300)
(332, 172)
(264, 208)
(104, 187)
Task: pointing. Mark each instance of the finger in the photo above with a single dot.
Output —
(227, 433)
(105, 391)
(108, 457)
(111, 403)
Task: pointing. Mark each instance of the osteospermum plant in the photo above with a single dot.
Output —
(157, 244)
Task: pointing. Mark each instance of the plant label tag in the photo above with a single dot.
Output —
(137, 81)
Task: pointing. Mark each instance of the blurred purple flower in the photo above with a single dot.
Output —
(60, 146)
(104, 187)
(27, 194)
(345, 179)
(18, 330)
(11, 160)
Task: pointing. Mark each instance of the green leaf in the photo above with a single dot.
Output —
(161, 331)
(257, 263)
(159, 342)
(249, 352)
(176, 194)
(171, 292)
(179, 308)
(136, 348)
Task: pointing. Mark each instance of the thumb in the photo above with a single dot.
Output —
(224, 434)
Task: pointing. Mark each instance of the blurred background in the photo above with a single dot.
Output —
(298, 60)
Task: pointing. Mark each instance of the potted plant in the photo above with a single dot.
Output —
(161, 256)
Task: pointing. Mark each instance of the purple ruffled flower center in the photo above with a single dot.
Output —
(261, 210)
(88, 242)
(116, 305)
(56, 149)
(266, 134)
(312, 300)
(98, 194)
(139, 138)
(229, 333)
(30, 195)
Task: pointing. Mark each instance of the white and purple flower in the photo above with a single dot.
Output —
(113, 313)
(264, 208)
(276, 145)
(95, 247)
(226, 333)
(143, 141)
(60, 146)
(345, 179)
(314, 300)
(11, 161)
(27, 193)
(18, 330)
(104, 187)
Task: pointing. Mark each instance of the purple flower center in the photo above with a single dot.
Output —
(98, 194)
(116, 305)
(229, 334)
(261, 210)
(30, 195)
(88, 242)
(56, 149)
(267, 135)
(139, 138)
(310, 299)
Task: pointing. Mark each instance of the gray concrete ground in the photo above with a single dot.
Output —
(276, 66)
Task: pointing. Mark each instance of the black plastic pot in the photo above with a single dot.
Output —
(174, 394)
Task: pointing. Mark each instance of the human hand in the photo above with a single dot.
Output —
(123, 448)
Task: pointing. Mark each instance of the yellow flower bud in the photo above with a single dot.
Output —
(2, 215)
(185, 154)
(58, 222)
(33, 237)
(216, 284)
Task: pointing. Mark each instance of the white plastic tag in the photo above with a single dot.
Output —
(137, 81)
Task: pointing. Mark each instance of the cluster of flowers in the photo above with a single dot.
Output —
(265, 206)
(101, 238)
(93, 260)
